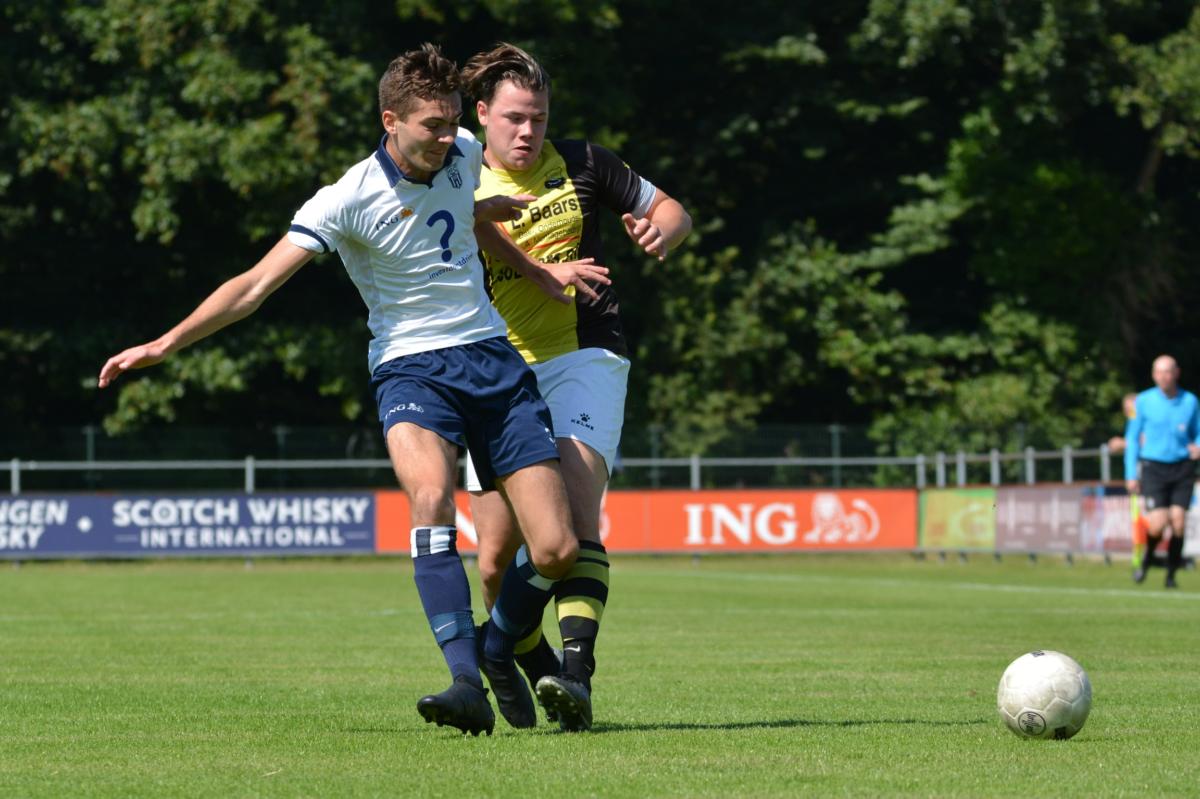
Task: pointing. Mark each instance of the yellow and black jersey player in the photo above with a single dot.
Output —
(571, 180)
(576, 350)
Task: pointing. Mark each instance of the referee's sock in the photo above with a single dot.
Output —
(1174, 554)
(1152, 542)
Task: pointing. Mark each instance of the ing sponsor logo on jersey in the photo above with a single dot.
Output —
(403, 213)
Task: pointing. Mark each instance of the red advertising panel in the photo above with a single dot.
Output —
(715, 521)
(760, 521)
(393, 522)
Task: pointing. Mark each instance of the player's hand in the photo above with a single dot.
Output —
(502, 208)
(1194, 452)
(137, 357)
(646, 235)
(1132, 487)
(555, 278)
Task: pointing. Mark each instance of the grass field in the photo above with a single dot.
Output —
(868, 676)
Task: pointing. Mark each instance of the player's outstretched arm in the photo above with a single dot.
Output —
(235, 299)
(550, 278)
(664, 227)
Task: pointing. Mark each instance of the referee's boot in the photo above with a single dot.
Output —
(462, 706)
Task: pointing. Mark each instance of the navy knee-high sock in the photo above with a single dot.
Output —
(519, 605)
(446, 596)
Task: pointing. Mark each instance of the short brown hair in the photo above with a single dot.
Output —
(420, 74)
(486, 71)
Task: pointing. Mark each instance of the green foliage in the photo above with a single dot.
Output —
(1165, 86)
(964, 222)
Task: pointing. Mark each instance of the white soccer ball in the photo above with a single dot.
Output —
(1044, 694)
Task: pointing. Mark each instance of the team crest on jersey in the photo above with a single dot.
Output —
(555, 180)
(455, 176)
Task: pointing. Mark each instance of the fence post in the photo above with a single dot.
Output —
(939, 469)
(1105, 466)
(695, 468)
(1030, 467)
(1068, 465)
(249, 474)
(960, 468)
(920, 463)
(14, 467)
(994, 463)
(835, 449)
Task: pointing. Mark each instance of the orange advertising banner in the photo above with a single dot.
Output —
(715, 521)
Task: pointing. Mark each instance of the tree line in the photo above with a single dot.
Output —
(967, 223)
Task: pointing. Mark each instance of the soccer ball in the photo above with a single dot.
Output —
(1044, 695)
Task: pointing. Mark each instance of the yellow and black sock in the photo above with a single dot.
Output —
(580, 597)
(535, 656)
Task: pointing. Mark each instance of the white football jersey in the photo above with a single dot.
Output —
(410, 249)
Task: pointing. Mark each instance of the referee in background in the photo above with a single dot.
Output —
(1162, 444)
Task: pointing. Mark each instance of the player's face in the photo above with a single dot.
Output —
(419, 142)
(516, 126)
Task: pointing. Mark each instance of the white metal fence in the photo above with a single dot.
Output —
(947, 468)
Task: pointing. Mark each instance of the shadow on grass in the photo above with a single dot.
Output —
(777, 724)
(670, 726)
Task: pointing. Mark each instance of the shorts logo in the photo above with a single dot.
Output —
(455, 176)
(402, 407)
(584, 420)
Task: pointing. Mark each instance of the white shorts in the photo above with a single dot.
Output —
(585, 391)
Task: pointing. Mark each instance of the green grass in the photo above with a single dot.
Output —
(869, 676)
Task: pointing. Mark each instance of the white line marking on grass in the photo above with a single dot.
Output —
(896, 583)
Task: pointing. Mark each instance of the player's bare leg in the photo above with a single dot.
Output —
(498, 539)
(539, 503)
(424, 463)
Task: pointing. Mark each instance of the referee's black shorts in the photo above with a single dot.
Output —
(1167, 484)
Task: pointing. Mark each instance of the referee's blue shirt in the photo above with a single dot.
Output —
(1168, 424)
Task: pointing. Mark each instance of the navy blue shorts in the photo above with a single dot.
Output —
(480, 396)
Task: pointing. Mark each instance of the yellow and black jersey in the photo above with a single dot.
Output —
(571, 180)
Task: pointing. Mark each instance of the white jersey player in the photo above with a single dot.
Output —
(404, 222)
